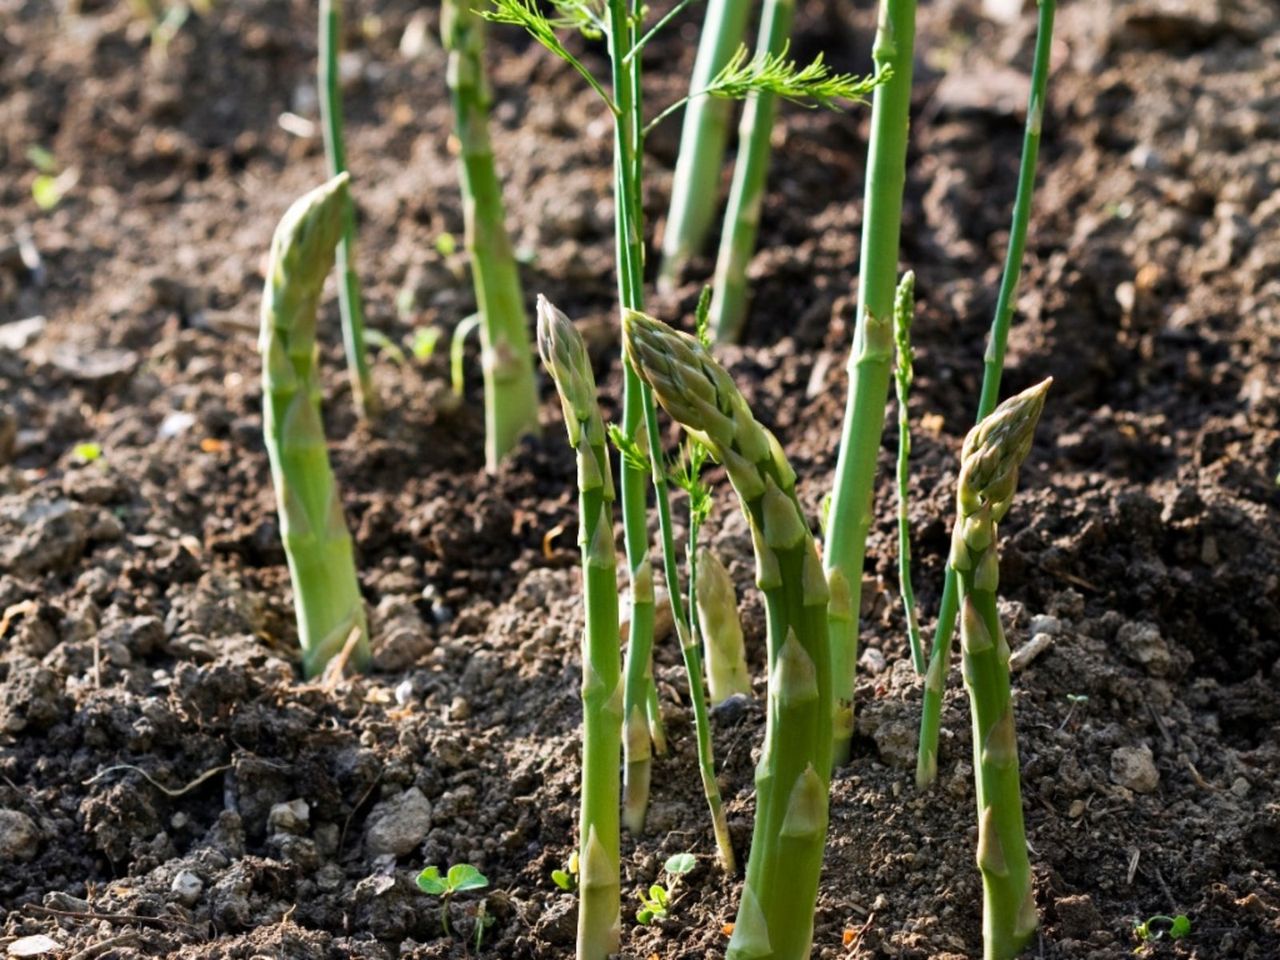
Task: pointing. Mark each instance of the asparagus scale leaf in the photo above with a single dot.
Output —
(317, 544)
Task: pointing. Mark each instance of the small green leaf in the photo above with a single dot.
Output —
(384, 343)
(1180, 927)
(561, 879)
(86, 452)
(644, 915)
(423, 342)
(680, 863)
(658, 895)
(42, 159)
(463, 876)
(46, 192)
(446, 244)
(430, 881)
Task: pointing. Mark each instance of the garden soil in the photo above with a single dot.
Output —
(171, 787)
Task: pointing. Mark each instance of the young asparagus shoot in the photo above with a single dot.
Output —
(903, 374)
(872, 353)
(510, 391)
(695, 187)
(775, 916)
(989, 462)
(727, 672)
(993, 367)
(349, 299)
(565, 357)
(317, 544)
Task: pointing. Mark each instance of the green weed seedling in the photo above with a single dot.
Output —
(656, 904)
(460, 878)
(567, 879)
(1154, 928)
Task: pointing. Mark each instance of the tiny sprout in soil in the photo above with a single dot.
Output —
(460, 878)
(656, 904)
(1154, 928)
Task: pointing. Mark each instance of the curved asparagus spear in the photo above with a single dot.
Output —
(565, 357)
(989, 463)
(721, 629)
(775, 917)
(326, 594)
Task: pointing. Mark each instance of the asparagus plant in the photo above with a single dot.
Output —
(721, 629)
(903, 374)
(565, 357)
(871, 355)
(993, 451)
(317, 544)
(510, 392)
(775, 916)
(993, 367)
(349, 300)
(696, 182)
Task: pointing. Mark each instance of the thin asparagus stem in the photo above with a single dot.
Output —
(349, 300)
(993, 368)
(746, 195)
(721, 629)
(317, 544)
(989, 462)
(510, 391)
(695, 186)
(871, 357)
(565, 358)
(775, 917)
(903, 374)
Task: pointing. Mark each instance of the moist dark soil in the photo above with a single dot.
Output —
(170, 786)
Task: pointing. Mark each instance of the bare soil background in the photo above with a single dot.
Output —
(146, 618)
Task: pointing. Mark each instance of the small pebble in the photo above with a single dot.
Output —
(33, 946)
(873, 661)
(186, 888)
(399, 825)
(1135, 769)
(19, 837)
(459, 709)
(292, 817)
(1043, 623)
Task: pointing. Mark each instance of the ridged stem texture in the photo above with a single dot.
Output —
(993, 368)
(695, 187)
(870, 360)
(317, 544)
(565, 358)
(903, 374)
(721, 629)
(750, 177)
(510, 391)
(349, 300)
(775, 916)
(989, 464)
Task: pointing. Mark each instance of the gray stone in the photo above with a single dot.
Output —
(399, 825)
(19, 836)
(186, 887)
(1135, 769)
(1141, 642)
(292, 817)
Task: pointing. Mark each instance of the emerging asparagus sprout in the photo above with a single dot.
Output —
(993, 451)
(510, 392)
(565, 357)
(317, 544)
(903, 374)
(775, 916)
(721, 629)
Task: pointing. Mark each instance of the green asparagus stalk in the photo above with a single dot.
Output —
(989, 464)
(746, 195)
(872, 354)
(721, 629)
(349, 300)
(510, 392)
(317, 544)
(565, 357)
(775, 917)
(903, 374)
(695, 187)
(993, 367)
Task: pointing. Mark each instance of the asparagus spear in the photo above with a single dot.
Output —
(349, 301)
(721, 629)
(775, 917)
(326, 594)
(903, 374)
(989, 462)
(565, 357)
(510, 393)
(993, 366)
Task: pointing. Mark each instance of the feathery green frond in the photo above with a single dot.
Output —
(811, 85)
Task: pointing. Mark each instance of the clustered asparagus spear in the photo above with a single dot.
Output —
(989, 462)
(510, 392)
(695, 186)
(993, 367)
(775, 916)
(565, 357)
(872, 353)
(317, 544)
(349, 300)
(721, 629)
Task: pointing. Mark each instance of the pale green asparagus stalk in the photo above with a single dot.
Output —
(510, 392)
(750, 176)
(989, 464)
(993, 367)
(903, 374)
(349, 300)
(565, 357)
(775, 917)
(695, 187)
(317, 544)
(721, 629)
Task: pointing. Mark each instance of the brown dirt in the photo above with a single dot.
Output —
(147, 619)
